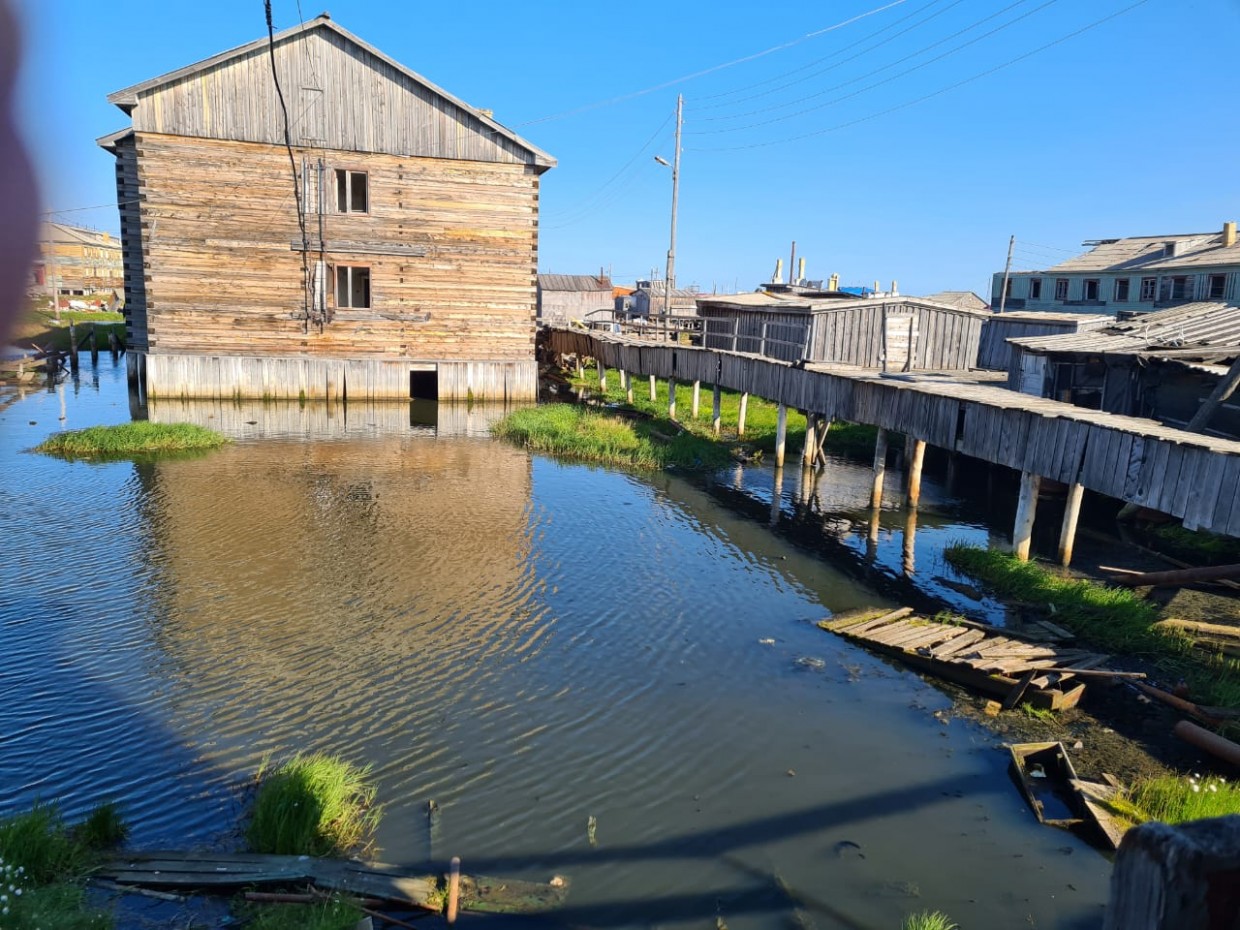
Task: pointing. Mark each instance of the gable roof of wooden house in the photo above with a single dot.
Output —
(1154, 253)
(341, 94)
(574, 282)
(965, 300)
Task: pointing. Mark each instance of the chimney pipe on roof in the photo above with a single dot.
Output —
(1229, 234)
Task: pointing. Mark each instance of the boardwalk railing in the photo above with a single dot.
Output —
(1187, 475)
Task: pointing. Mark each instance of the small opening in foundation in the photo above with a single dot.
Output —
(424, 385)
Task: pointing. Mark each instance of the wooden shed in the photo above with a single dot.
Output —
(996, 355)
(892, 334)
(389, 251)
(565, 298)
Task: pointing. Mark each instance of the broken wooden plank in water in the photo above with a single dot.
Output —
(365, 879)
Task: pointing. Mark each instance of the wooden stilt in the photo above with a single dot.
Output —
(740, 417)
(914, 473)
(909, 549)
(781, 435)
(810, 450)
(1067, 535)
(602, 377)
(629, 390)
(716, 417)
(824, 426)
(624, 380)
(581, 369)
(654, 389)
(871, 539)
(951, 472)
(1026, 510)
(777, 495)
(671, 398)
(94, 345)
(73, 348)
(697, 399)
(880, 469)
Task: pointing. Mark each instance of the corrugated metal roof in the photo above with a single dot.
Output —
(1148, 253)
(1082, 320)
(1202, 324)
(574, 282)
(792, 303)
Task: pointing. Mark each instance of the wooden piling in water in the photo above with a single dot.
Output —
(73, 348)
(777, 494)
(716, 409)
(909, 547)
(880, 468)
(740, 417)
(1026, 510)
(1072, 511)
(697, 399)
(810, 450)
(914, 473)
(454, 889)
(94, 345)
(781, 435)
(114, 345)
(671, 398)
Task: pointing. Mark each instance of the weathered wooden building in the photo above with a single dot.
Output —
(900, 334)
(566, 298)
(1159, 365)
(648, 298)
(77, 262)
(389, 250)
(996, 354)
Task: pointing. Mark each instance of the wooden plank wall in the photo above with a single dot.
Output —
(236, 377)
(128, 191)
(1193, 477)
(994, 352)
(217, 226)
(339, 96)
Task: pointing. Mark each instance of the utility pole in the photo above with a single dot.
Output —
(671, 251)
(1007, 272)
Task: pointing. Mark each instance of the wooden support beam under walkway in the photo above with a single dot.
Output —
(1187, 475)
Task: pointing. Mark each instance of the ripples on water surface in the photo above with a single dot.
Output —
(529, 644)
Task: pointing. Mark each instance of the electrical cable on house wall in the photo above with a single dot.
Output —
(288, 144)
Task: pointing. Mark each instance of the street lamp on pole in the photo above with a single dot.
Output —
(670, 282)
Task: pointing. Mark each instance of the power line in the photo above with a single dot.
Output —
(97, 206)
(930, 96)
(860, 53)
(713, 68)
(894, 77)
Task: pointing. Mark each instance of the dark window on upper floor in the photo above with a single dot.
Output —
(352, 191)
(1149, 288)
(1089, 290)
(352, 287)
(1035, 288)
(1061, 288)
(1216, 286)
(1121, 288)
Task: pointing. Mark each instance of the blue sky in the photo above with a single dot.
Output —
(1128, 128)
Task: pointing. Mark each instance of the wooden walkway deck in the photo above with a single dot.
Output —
(1188, 475)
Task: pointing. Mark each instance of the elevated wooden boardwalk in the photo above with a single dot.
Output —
(1187, 475)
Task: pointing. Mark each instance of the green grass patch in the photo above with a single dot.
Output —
(43, 862)
(1198, 547)
(1115, 619)
(329, 915)
(313, 805)
(571, 431)
(928, 920)
(125, 439)
(761, 416)
(1174, 799)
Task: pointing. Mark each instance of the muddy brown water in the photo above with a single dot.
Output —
(530, 644)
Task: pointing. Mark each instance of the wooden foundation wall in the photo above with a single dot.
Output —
(237, 377)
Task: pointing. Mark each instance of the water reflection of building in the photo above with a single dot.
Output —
(282, 568)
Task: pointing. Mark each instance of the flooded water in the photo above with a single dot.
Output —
(527, 643)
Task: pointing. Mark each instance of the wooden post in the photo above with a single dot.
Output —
(740, 416)
(810, 452)
(1176, 878)
(624, 380)
(1067, 535)
(73, 348)
(781, 435)
(454, 889)
(654, 390)
(880, 469)
(602, 376)
(716, 409)
(94, 345)
(871, 538)
(914, 473)
(777, 495)
(629, 390)
(114, 345)
(581, 369)
(697, 398)
(909, 548)
(671, 398)
(1026, 509)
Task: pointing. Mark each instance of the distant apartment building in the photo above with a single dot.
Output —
(77, 262)
(1139, 273)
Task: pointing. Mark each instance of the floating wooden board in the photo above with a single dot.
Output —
(367, 879)
(986, 658)
(1046, 777)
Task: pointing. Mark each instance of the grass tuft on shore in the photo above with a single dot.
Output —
(314, 805)
(1174, 799)
(571, 431)
(330, 915)
(928, 920)
(124, 439)
(850, 439)
(1116, 619)
(43, 862)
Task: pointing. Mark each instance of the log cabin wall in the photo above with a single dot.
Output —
(447, 235)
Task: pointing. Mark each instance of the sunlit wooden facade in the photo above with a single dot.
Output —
(390, 251)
